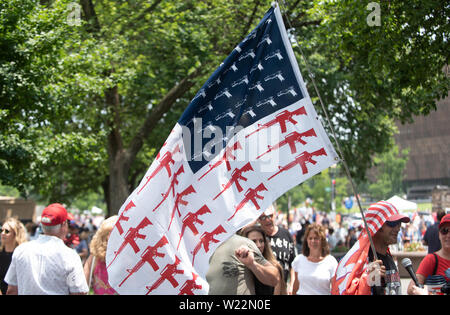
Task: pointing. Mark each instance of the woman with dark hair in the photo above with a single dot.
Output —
(315, 267)
(257, 235)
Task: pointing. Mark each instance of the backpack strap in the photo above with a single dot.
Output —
(435, 264)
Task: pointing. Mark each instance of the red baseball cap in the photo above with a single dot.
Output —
(445, 219)
(55, 214)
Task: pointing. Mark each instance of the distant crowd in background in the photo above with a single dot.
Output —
(81, 231)
(299, 243)
(342, 230)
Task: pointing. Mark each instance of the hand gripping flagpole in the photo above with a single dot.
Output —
(347, 171)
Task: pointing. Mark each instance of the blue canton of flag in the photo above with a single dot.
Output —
(250, 134)
(255, 81)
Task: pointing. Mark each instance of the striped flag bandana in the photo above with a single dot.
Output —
(351, 277)
(380, 212)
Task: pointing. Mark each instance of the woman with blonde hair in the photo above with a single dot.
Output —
(13, 233)
(315, 267)
(258, 236)
(95, 266)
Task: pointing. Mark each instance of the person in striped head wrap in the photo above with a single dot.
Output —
(357, 272)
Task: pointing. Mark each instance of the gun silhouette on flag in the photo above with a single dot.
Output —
(250, 195)
(190, 285)
(236, 175)
(281, 118)
(226, 155)
(122, 216)
(179, 200)
(301, 160)
(168, 273)
(191, 219)
(165, 162)
(291, 139)
(206, 239)
(131, 237)
(148, 256)
(171, 187)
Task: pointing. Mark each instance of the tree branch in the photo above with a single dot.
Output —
(156, 114)
(250, 21)
(90, 16)
(140, 16)
(297, 24)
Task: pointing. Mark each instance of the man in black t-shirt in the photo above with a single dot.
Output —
(281, 243)
(357, 272)
(390, 283)
(431, 237)
(385, 236)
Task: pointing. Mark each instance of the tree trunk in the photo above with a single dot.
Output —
(118, 156)
(118, 182)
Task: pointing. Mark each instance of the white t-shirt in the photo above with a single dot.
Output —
(46, 266)
(314, 278)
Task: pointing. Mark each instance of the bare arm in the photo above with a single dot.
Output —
(267, 274)
(296, 284)
(87, 268)
(12, 290)
(415, 290)
(290, 286)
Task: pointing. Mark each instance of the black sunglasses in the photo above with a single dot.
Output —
(444, 231)
(393, 224)
(4, 230)
(264, 217)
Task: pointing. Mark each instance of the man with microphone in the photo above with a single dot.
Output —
(357, 272)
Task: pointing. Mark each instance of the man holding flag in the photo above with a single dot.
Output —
(357, 272)
(250, 134)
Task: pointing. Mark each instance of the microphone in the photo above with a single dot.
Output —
(446, 287)
(406, 262)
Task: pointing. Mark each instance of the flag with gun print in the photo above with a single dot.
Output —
(249, 135)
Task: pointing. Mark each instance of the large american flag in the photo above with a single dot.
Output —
(250, 134)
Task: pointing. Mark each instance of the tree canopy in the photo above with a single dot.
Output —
(90, 89)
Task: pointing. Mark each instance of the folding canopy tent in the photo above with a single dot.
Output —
(402, 204)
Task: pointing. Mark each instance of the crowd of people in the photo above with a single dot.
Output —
(62, 255)
(308, 256)
(311, 268)
(342, 231)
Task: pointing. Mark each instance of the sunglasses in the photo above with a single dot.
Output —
(4, 230)
(393, 224)
(264, 217)
(444, 231)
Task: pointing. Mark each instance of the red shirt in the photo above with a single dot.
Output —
(73, 240)
(426, 267)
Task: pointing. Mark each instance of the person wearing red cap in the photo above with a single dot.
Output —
(357, 272)
(434, 264)
(46, 266)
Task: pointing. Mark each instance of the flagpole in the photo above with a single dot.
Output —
(347, 171)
